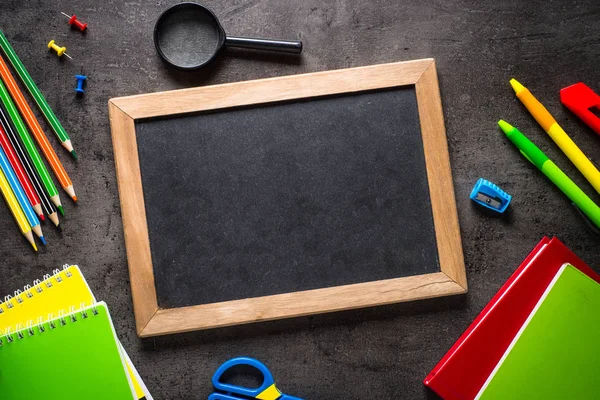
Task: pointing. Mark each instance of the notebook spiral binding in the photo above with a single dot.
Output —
(38, 287)
(41, 326)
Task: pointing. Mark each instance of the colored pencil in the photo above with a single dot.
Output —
(36, 130)
(37, 95)
(15, 209)
(33, 220)
(48, 208)
(26, 184)
(31, 149)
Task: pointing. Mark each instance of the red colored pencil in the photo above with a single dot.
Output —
(32, 196)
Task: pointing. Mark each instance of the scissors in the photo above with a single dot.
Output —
(266, 391)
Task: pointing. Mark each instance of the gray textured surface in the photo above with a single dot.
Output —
(383, 352)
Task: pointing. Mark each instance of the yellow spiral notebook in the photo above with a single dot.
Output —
(64, 290)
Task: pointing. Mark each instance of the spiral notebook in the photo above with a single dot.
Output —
(556, 353)
(63, 290)
(75, 356)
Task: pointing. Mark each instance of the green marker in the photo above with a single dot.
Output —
(31, 150)
(544, 164)
(37, 95)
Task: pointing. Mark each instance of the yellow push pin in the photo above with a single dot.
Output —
(59, 50)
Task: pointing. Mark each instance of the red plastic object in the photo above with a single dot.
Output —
(81, 26)
(466, 366)
(580, 99)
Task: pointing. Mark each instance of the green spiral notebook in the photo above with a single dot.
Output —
(62, 290)
(73, 357)
(556, 354)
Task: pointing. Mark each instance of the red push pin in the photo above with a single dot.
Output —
(73, 21)
(583, 102)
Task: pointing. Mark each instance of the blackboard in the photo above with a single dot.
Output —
(259, 201)
(286, 197)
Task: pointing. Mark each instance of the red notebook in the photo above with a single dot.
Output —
(464, 369)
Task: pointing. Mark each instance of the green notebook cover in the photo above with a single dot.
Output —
(73, 357)
(556, 354)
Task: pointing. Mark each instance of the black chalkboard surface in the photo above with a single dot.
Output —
(289, 196)
(286, 197)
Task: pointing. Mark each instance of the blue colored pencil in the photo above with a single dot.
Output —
(20, 195)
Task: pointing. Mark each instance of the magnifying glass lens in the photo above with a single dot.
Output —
(188, 37)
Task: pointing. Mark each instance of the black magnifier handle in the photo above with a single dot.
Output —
(282, 46)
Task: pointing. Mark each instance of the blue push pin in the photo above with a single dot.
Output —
(80, 81)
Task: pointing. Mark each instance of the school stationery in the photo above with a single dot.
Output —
(17, 189)
(189, 36)
(555, 354)
(36, 94)
(75, 23)
(461, 373)
(549, 124)
(71, 356)
(30, 146)
(490, 196)
(62, 290)
(19, 170)
(60, 51)
(266, 391)
(48, 207)
(555, 174)
(80, 83)
(583, 101)
(322, 250)
(36, 130)
(15, 209)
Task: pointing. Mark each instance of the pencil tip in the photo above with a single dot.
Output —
(74, 155)
(42, 218)
(74, 199)
(34, 246)
(43, 240)
(61, 210)
(54, 218)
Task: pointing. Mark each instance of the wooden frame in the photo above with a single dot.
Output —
(153, 321)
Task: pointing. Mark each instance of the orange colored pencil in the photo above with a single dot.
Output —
(36, 129)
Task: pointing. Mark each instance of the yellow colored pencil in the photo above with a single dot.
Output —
(15, 208)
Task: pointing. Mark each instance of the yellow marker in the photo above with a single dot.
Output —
(59, 50)
(547, 121)
(15, 208)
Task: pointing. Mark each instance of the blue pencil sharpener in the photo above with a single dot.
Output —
(488, 195)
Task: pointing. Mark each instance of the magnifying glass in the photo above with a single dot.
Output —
(189, 36)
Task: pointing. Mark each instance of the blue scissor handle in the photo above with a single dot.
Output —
(220, 396)
(228, 388)
(232, 390)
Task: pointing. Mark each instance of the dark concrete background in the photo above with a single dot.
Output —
(382, 352)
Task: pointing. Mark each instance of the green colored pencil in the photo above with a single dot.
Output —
(37, 95)
(31, 150)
